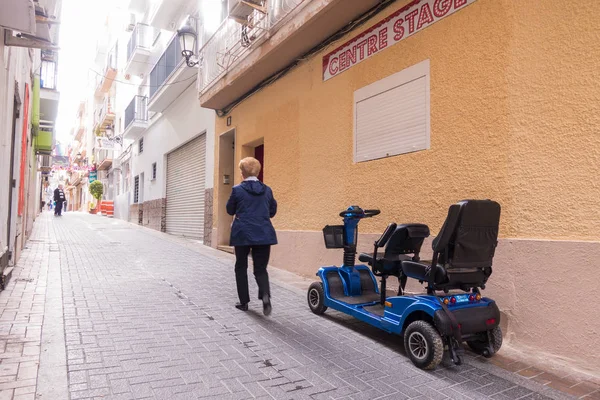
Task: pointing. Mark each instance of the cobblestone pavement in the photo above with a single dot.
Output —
(149, 316)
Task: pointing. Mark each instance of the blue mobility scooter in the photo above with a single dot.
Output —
(450, 312)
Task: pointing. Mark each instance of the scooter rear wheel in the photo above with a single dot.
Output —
(423, 344)
(480, 346)
(316, 298)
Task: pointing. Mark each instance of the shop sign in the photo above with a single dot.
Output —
(410, 19)
(104, 143)
(93, 176)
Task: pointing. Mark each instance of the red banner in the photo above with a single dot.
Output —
(21, 205)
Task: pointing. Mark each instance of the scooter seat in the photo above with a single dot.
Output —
(420, 271)
(446, 278)
(390, 264)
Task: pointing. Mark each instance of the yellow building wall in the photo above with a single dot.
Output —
(515, 117)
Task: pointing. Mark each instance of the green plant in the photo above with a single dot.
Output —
(97, 189)
(92, 206)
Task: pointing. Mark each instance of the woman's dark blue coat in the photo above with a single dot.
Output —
(253, 205)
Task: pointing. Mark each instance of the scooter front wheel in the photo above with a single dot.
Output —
(316, 298)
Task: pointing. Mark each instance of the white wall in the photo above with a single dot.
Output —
(181, 122)
(15, 65)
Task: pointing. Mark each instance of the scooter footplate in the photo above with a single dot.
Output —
(364, 299)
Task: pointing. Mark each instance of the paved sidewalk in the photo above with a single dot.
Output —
(139, 314)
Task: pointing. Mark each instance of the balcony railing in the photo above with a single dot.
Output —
(233, 41)
(105, 80)
(103, 113)
(111, 61)
(136, 111)
(141, 37)
(165, 66)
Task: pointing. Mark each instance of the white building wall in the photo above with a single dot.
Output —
(181, 122)
(15, 65)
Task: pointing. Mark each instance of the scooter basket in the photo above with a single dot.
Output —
(334, 236)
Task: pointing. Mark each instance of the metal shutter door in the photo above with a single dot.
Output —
(185, 189)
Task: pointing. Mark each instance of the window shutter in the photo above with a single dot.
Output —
(392, 115)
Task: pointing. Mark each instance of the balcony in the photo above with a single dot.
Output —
(105, 117)
(169, 77)
(230, 67)
(49, 96)
(80, 131)
(104, 159)
(139, 49)
(43, 142)
(168, 12)
(105, 80)
(45, 165)
(136, 118)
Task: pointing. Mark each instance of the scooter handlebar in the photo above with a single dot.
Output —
(371, 213)
(359, 213)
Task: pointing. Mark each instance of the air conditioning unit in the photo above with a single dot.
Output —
(240, 10)
(131, 26)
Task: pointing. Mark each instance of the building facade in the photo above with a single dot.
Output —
(152, 145)
(28, 108)
(410, 106)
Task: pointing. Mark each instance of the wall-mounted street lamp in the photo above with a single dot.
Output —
(188, 38)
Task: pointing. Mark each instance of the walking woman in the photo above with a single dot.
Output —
(253, 205)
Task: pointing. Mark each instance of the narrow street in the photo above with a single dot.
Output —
(114, 311)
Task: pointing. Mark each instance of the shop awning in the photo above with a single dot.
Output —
(18, 15)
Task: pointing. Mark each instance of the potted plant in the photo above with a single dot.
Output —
(97, 189)
(93, 208)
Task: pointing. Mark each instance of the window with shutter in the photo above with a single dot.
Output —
(392, 116)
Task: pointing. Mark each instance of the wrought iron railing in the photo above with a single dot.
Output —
(103, 110)
(233, 41)
(166, 65)
(137, 110)
(104, 155)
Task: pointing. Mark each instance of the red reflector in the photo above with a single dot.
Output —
(471, 298)
(491, 321)
(453, 300)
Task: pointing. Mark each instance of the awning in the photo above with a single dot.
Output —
(18, 15)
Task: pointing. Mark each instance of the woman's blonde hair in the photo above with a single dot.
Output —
(249, 166)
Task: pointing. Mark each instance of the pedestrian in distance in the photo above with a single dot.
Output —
(59, 198)
(252, 204)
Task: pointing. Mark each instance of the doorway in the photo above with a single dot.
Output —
(11, 179)
(225, 181)
(259, 154)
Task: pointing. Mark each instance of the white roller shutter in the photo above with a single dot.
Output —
(185, 189)
(391, 116)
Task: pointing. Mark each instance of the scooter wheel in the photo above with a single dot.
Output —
(316, 298)
(480, 346)
(423, 344)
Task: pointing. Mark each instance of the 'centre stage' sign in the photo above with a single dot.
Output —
(410, 19)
